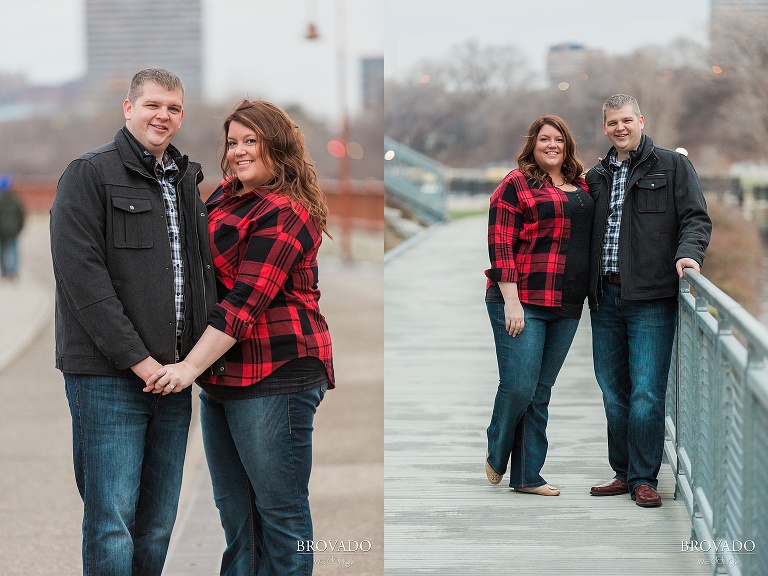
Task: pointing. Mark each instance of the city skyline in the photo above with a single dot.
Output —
(250, 49)
(412, 36)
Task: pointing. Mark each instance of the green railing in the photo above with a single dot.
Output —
(416, 180)
(717, 427)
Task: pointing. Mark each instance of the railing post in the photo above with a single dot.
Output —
(684, 288)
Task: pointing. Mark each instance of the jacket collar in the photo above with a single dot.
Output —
(134, 155)
(635, 156)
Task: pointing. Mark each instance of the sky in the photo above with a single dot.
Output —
(253, 48)
(44, 39)
(428, 29)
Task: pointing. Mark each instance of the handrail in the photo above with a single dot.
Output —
(717, 427)
(416, 180)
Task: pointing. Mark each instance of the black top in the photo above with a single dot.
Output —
(576, 277)
(580, 210)
(296, 376)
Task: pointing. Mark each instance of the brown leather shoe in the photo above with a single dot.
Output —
(646, 496)
(613, 487)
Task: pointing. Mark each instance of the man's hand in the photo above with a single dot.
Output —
(146, 368)
(171, 378)
(684, 263)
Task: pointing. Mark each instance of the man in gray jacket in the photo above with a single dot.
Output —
(134, 280)
(650, 224)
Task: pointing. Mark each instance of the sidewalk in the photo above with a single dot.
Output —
(40, 510)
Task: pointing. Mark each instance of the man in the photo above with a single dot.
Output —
(11, 223)
(650, 225)
(134, 279)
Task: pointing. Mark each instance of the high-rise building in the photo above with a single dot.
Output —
(568, 61)
(730, 21)
(124, 36)
(373, 82)
(744, 5)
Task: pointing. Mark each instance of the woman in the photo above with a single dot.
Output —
(266, 221)
(539, 229)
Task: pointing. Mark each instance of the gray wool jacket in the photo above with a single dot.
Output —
(112, 261)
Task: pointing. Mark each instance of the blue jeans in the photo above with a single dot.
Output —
(632, 348)
(259, 453)
(128, 449)
(9, 258)
(528, 366)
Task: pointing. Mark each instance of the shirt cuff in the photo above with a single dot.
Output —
(502, 275)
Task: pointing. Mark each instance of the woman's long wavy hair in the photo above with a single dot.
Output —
(281, 145)
(572, 166)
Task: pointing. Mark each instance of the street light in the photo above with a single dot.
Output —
(343, 175)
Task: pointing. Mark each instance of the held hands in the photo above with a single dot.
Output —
(514, 317)
(171, 378)
(146, 367)
(684, 263)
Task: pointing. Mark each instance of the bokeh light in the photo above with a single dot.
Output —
(336, 149)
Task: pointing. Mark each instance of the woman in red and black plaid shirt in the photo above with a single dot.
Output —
(539, 229)
(266, 221)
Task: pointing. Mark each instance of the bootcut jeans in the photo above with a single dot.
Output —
(632, 349)
(259, 454)
(128, 448)
(528, 366)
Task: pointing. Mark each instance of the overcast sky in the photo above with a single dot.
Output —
(419, 29)
(253, 47)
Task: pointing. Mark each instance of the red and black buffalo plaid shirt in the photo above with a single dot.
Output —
(526, 229)
(264, 249)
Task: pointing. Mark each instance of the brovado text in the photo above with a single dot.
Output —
(717, 546)
(306, 546)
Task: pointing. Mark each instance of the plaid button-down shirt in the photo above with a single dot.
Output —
(610, 255)
(166, 175)
(528, 230)
(264, 249)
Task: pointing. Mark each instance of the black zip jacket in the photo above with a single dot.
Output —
(664, 219)
(112, 261)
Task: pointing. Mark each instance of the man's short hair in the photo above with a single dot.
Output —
(618, 101)
(159, 76)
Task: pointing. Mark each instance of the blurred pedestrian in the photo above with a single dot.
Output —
(539, 230)
(11, 223)
(134, 284)
(266, 221)
(651, 224)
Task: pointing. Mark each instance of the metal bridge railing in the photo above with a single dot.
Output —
(717, 427)
(416, 180)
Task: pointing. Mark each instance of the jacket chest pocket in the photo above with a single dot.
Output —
(651, 194)
(131, 222)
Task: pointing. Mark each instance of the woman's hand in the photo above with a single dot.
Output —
(514, 317)
(171, 378)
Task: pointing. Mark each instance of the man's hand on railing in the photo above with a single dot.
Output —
(684, 263)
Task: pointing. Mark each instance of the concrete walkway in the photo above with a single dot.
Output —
(40, 509)
(441, 514)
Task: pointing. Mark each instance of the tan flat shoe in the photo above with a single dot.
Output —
(493, 477)
(544, 490)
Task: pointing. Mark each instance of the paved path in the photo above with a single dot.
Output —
(441, 514)
(40, 510)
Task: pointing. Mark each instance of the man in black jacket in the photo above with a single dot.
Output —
(134, 280)
(650, 224)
